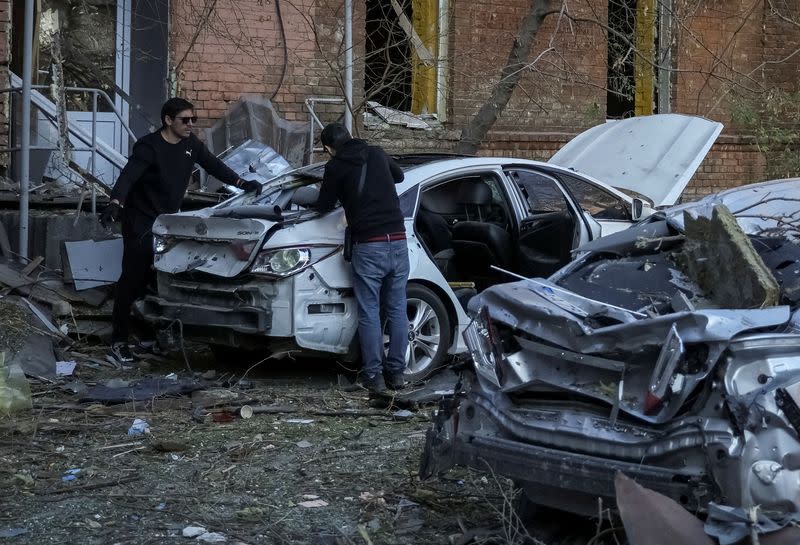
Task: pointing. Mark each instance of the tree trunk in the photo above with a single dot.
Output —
(473, 134)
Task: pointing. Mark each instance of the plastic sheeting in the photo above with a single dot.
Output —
(254, 118)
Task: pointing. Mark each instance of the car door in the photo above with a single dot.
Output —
(552, 224)
(612, 212)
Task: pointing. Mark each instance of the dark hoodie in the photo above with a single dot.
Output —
(376, 211)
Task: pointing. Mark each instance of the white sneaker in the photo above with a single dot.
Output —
(120, 353)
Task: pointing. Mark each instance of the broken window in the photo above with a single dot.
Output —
(620, 93)
(402, 48)
(632, 42)
(86, 33)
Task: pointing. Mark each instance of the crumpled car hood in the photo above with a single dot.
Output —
(549, 312)
(654, 155)
(602, 351)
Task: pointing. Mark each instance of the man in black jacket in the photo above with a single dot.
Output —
(154, 182)
(380, 252)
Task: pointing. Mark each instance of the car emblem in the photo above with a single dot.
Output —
(201, 229)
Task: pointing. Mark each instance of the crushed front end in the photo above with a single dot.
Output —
(610, 367)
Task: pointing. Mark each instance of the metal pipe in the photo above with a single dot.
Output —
(25, 157)
(664, 56)
(348, 64)
(441, 60)
(94, 149)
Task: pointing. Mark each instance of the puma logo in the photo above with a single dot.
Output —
(189, 152)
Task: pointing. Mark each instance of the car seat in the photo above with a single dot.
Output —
(435, 233)
(478, 244)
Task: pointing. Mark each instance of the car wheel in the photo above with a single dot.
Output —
(428, 334)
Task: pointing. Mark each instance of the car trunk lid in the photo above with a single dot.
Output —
(220, 246)
(654, 155)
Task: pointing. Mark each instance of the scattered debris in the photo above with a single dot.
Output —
(651, 518)
(397, 117)
(65, 368)
(312, 504)
(15, 393)
(92, 263)
(139, 427)
(71, 474)
(13, 532)
(299, 421)
(212, 537)
(140, 390)
(193, 531)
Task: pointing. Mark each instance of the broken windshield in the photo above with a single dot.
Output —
(292, 191)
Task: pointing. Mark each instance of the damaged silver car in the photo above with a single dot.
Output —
(669, 352)
(267, 272)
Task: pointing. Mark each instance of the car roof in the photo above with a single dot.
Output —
(420, 166)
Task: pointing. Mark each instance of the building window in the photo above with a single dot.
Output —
(632, 43)
(87, 33)
(403, 47)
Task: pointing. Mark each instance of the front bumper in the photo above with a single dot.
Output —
(463, 434)
(241, 319)
(300, 309)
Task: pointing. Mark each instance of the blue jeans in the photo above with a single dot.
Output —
(380, 274)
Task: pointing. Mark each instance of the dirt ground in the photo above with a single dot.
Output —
(319, 466)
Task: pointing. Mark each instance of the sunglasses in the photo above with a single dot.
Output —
(186, 119)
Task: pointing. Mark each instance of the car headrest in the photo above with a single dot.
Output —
(426, 202)
(474, 192)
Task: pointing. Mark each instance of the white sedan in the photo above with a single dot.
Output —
(267, 272)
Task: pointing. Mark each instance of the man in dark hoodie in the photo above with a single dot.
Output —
(380, 254)
(154, 182)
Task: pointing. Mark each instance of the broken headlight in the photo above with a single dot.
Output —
(484, 346)
(288, 261)
(665, 380)
(162, 244)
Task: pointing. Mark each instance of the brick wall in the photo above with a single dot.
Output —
(719, 45)
(781, 39)
(5, 58)
(238, 50)
(562, 88)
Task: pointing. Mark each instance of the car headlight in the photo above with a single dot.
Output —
(162, 244)
(288, 261)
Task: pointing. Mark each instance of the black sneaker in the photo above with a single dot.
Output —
(374, 384)
(120, 353)
(396, 381)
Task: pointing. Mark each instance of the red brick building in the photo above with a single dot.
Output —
(667, 55)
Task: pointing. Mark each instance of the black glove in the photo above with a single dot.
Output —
(249, 185)
(110, 214)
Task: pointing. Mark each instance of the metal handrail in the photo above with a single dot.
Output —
(310, 102)
(92, 90)
(91, 140)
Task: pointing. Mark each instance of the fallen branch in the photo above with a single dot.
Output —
(90, 486)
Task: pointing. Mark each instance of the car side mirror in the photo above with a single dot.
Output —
(636, 209)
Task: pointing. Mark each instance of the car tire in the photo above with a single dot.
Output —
(429, 333)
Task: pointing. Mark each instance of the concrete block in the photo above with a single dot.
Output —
(721, 259)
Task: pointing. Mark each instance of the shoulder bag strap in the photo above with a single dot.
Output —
(363, 177)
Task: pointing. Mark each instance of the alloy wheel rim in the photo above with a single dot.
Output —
(424, 332)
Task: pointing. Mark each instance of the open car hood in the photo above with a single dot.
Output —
(654, 155)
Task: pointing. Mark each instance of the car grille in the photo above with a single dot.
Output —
(224, 293)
